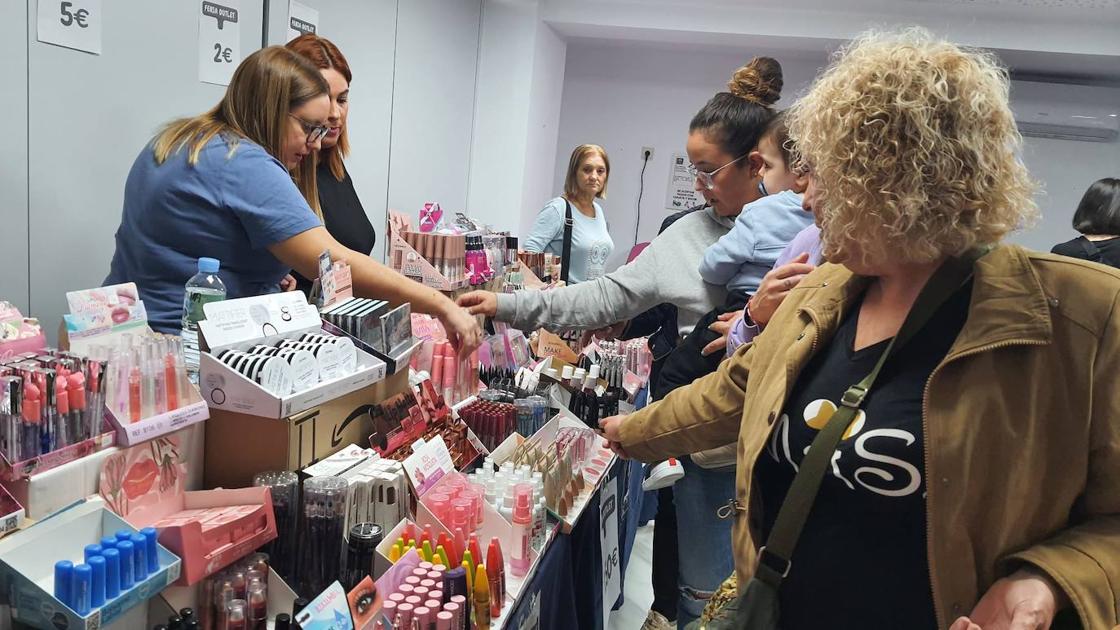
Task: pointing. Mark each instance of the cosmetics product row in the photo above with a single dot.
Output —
(107, 570)
(439, 597)
(314, 523)
(454, 378)
(235, 598)
(48, 402)
(294, 365)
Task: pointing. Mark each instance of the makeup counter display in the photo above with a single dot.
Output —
(337, 464)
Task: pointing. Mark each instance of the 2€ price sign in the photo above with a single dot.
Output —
(71, 23)
(219, 40)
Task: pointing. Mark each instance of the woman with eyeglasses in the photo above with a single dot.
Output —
(721, 138)
(220, 185)
(339, 206)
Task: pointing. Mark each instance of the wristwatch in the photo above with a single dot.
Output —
(748, 321)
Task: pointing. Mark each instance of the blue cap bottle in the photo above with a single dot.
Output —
(152, 536)
(112, 573)
(125, 548)
(91, 551)
(124, 534)
(63, 576)
(97, 595)
(108, 542)
(82, 587)
(139, 557)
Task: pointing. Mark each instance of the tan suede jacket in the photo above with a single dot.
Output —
(1021, 423)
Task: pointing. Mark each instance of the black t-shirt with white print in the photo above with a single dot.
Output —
(861, 559)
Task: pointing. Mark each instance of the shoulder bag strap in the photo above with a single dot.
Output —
(774, 558)
(566, 254)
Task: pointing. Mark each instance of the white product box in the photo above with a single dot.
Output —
(267, 319)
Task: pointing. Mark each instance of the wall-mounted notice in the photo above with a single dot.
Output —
(682, 194)
(219, 40)
(301, 19)
(71, 23)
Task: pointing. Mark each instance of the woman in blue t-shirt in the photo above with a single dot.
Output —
(586, 181)
(219, 185)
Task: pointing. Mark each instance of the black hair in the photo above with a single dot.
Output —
(736, 120)
(1099, 210)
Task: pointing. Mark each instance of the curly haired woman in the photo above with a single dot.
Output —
(977, 488)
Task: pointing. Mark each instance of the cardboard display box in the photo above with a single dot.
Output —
(268, 319)
(240, 445)
(27, 568)
(208, 529)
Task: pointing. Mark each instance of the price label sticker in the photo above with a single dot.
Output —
(71, 23)
(219, 40)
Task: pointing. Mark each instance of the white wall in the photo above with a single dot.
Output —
(627, 97)
(89, 117)
(433, 103)
(1065, 169)
(365, 32)
(13, 163)
(517, 112)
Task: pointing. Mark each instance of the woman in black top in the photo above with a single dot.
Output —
(1098, 220)
(343, 214)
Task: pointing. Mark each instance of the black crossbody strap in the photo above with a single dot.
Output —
(774, 558)
(566, 253)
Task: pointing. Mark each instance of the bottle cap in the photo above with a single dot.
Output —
(209, 265)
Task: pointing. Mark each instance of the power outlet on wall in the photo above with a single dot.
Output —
(647, 153)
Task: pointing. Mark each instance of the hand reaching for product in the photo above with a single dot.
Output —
(606, 333)
(722, 326)
(1024, 601)
(479, 303)
(288, 283)
(776, 285)
(462, 330)
(611, 428)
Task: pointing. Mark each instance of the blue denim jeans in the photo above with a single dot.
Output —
(703, 539)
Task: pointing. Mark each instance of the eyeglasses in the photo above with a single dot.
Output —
(707, 178)
(314, 132)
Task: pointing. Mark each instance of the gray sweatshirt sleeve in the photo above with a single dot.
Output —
(628, 291)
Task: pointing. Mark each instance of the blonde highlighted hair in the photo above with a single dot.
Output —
(264, 90)
(571, 183)
(913, 150)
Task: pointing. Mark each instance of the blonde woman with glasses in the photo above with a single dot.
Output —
(219, 185)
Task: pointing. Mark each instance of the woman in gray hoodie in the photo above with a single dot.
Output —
(722, 137)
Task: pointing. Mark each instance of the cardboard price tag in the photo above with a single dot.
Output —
(550, 345)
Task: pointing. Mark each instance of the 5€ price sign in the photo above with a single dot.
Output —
(71, 23)
(219, 40)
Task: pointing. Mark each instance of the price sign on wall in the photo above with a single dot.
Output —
(219, 40)
(71, 23)
(301, 19)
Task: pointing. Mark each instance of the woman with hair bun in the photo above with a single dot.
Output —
(722, 139)
(975, 483)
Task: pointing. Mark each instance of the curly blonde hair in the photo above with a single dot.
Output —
(913, 149)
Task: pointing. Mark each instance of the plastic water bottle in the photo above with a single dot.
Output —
(203, 288)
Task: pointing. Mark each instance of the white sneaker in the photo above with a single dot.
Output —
(657, 621)
(663, 475)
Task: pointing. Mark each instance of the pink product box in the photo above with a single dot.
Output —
(36, 344)
(211, 529)
(208, 529)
